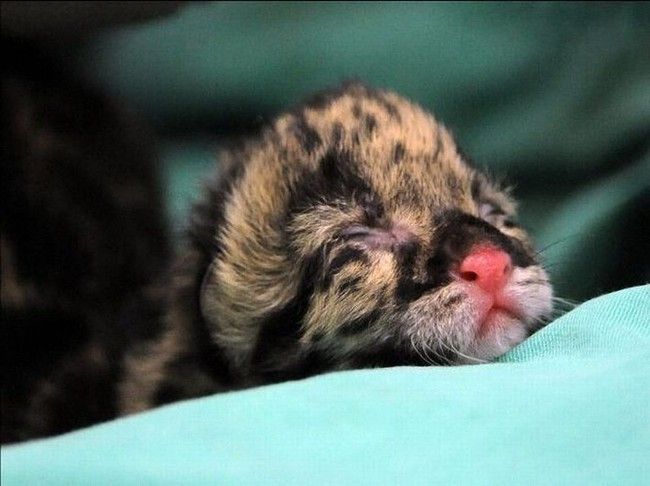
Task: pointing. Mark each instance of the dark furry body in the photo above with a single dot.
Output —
(83, 235)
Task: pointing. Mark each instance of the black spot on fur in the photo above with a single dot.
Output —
(337, 170)
(454, 300)
(325, 98)
(344, 257)
(390, 108)
(334, 181)
(337, 134)
(398, 152)
(280, 331)
(370, 123)
(406, 259)
(477, 187)
(278, 334)
(379, 97)
(335, 178)
(408, 288)
(496, 210)
(373, 208)
(437, 267)
(463, 231)
(314, 362)
(349, 285)
(199, 370)
(307, 136)
(167, 393)
(284, 323)
(358, 325)
(456, 187)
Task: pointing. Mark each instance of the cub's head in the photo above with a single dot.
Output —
(353, 233)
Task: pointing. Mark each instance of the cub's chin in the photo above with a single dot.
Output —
(468, 323)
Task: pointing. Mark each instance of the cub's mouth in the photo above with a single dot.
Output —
(506, 303)
(490, 306)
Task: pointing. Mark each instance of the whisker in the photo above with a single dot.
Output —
(432, 361)
(466, 356)
(441, 343)
(450, 347)
(426, 348)
(437, 358)
(422, 357)
(541, 322)
(569, 304)
(555, 263)
(561, 240)
(557, 242)
(566, 300)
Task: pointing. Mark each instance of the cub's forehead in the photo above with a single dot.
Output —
(399, 149)
(345, 142)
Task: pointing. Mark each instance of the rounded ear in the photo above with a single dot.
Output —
(235, 307)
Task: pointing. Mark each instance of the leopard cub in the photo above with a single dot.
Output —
(351, 233)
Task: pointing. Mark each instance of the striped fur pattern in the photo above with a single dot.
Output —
(330, 242)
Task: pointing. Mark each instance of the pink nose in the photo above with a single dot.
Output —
(487, 267)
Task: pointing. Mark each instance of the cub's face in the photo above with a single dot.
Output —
(352, 234)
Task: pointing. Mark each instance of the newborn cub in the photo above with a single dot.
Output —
(352, 233)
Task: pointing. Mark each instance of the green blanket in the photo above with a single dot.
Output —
(568, 406)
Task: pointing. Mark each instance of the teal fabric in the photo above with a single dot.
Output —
(554, 97)
(568, 406)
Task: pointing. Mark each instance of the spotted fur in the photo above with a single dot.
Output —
(330, 242)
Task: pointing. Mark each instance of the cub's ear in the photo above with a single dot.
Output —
(237, 306)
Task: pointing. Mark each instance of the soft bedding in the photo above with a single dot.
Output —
(568, 406)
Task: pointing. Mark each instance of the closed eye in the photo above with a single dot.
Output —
(391, 239)
(354, 231)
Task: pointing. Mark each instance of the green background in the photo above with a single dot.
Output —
(555, 97)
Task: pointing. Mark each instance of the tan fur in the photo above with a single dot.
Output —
(417, 174)
(253, 277)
